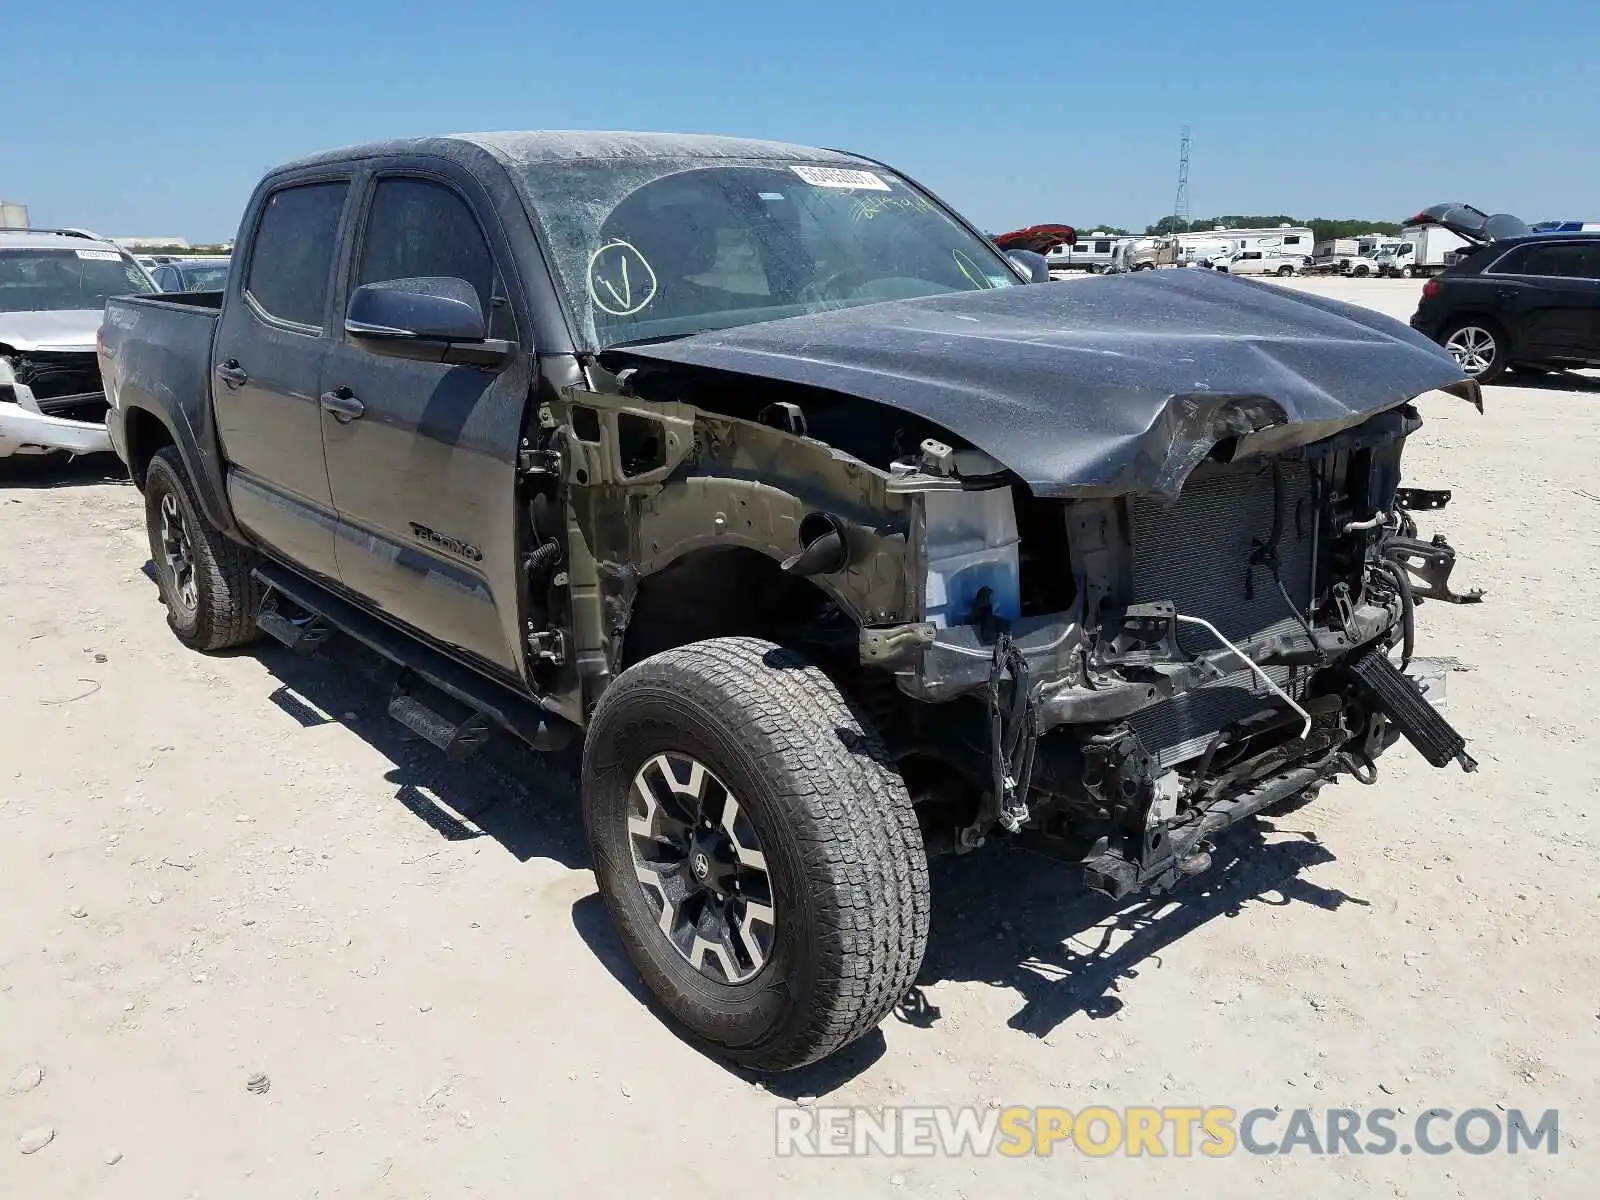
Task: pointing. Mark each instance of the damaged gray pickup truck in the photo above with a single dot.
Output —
(836, 540)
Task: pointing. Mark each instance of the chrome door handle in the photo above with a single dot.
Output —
(342, 403)
(232, 374)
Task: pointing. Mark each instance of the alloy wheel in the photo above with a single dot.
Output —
(696, 855)
(1473, 347)
(178, 554)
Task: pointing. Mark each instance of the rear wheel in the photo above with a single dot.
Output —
(1285, 271)
(205, 579)
(1478, 346)
(756, 849)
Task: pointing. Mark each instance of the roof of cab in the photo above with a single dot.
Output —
(557, 145)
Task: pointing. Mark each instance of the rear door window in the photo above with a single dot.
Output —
(291, 261)
(1553, 262)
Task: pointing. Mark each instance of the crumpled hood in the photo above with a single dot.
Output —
(69, 329)
(1101, 387)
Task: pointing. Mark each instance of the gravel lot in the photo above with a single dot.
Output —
(214, 867)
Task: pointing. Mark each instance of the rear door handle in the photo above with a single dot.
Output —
(342, 403)
(232, 374)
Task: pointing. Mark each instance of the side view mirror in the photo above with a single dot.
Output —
(431, 318)
(1032, 265)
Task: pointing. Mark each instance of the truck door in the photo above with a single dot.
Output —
(267, 361)
(422, 456)
(1550, 298)
(1591, 272)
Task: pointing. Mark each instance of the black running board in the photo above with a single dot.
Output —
(1394, 694)
(302, 634)
(459, 734)
(486, 703)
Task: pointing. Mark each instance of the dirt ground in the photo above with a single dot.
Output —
(214, 867)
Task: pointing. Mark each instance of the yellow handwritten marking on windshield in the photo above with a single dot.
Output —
(867, 207)
(612, 287)
(970, 269)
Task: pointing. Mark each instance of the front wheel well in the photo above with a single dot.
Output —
(724, 592)
(145, 434)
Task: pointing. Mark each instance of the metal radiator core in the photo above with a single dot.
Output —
(1196, 554)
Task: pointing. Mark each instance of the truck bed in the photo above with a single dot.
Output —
(156, 350)
(155, 356)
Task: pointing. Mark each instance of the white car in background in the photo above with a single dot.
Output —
(54, 285)
(1260, 262)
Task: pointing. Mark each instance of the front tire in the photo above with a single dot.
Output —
(756, 849)
(1479, 347)
(205, 579)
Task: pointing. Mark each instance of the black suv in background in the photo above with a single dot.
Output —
(1527, 304)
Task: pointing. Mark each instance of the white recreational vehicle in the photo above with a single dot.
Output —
(1093, 252)
(1283, 242)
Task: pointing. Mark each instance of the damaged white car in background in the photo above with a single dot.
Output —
(53, 290)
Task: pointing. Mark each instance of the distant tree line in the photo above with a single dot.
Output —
(212, 250)
(1322, 228)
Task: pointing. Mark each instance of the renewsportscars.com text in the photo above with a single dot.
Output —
(1176, 1131)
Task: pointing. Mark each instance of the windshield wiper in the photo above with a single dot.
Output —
(652, 341)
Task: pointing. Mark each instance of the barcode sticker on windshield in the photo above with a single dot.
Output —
(837, 177)
(99, 255)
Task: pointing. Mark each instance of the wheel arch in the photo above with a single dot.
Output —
(727, 589)
(686, 542)
(145, 432)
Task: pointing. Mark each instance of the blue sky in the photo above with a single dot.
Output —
(156, 118)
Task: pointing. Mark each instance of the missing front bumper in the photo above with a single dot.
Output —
(23, 431)
(1404, 703)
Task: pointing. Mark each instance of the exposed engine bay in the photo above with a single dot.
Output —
(1202, 658)
(1106, 588)
(56, 383)
(1114, 679)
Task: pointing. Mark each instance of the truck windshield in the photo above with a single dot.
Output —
(663, 248)
(54, 280)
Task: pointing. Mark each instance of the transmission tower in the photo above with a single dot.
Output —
(1180, 202)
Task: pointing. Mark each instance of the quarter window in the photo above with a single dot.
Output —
(291, 261)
